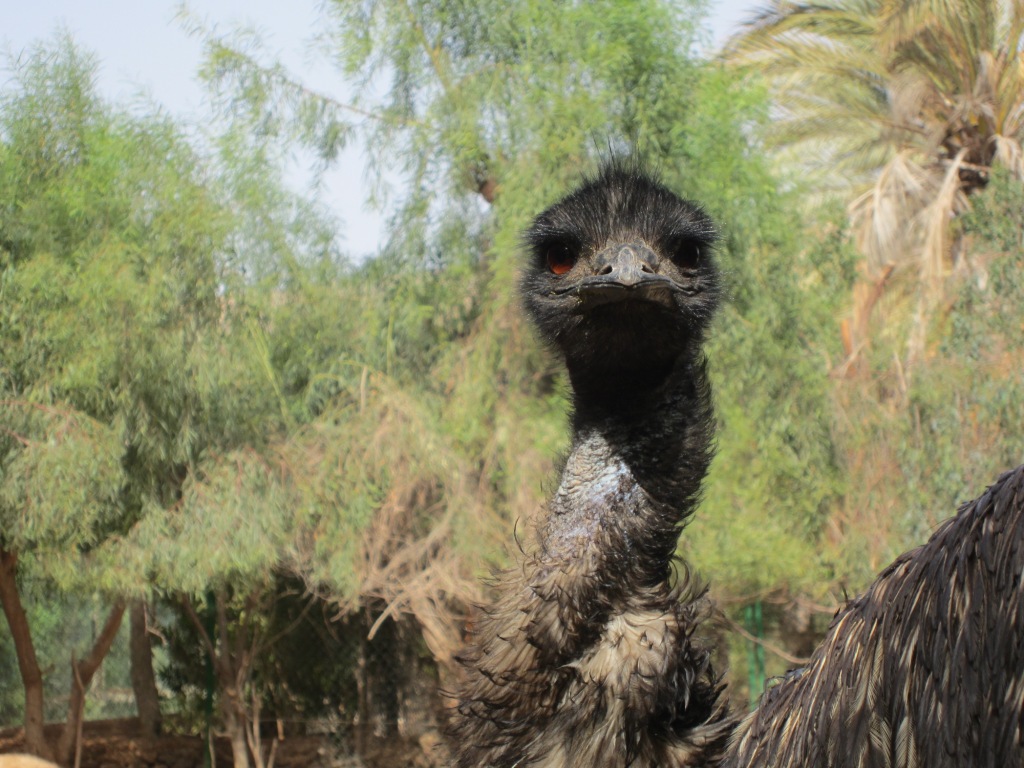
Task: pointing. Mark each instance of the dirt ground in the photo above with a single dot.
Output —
(116, 744)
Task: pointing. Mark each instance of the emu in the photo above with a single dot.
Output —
(926, 668)
(590, 655)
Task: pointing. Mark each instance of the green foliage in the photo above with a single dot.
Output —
(198, 390)
(912, 463)
(137, 401)
(776, 476)
(70, 462)
(965, 404)
(997, 217)
(106, 274)
(423, 356)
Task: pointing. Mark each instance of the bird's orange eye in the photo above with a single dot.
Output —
(560, 259)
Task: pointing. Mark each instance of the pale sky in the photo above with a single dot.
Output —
(143, 50)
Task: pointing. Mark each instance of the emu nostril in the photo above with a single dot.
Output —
(606, 270)
(645, 267)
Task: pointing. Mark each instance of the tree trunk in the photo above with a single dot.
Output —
(232, 665)
(364, 730)
(147, 698)
(233, 711)
(384, 679)
(28, 665)
(81, 675)
(233, 671)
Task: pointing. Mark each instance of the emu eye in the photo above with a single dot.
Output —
(560, 258)
(686, 253)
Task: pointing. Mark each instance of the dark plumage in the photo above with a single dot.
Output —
(926, 668)
(588, 656)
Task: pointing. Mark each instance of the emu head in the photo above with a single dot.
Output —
(621, 279)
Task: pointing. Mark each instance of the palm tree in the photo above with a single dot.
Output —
(906, 105)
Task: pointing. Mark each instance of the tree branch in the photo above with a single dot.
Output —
(798, 660)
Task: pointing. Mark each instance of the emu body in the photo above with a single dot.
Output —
(926, 668)
(589, 656)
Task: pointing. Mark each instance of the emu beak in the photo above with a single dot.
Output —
(625, 272)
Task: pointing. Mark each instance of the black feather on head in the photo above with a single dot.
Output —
(621, 277)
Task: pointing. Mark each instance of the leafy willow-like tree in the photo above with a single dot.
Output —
(485, 112)
(147, 389)
(106, 242)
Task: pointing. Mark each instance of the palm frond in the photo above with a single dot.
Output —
(907, 102)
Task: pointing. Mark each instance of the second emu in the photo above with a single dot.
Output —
(925, 668)
(589, 655)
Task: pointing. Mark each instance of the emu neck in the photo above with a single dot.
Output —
(633, 473)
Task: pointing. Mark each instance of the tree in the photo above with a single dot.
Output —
(907, 108)
(959, 424)
(106, 244)
(472, 116)
(487, 112)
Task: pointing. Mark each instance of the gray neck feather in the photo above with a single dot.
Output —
(632, 477)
